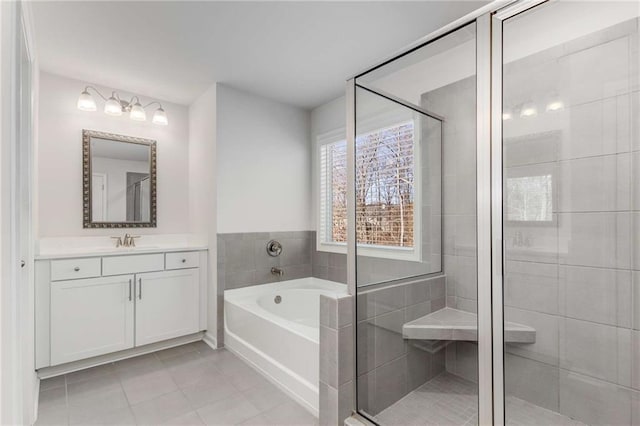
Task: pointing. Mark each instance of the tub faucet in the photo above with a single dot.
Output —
(277, 271)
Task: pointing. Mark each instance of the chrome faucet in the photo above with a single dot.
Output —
(277, 271)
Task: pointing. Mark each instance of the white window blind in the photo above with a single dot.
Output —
(384, 188)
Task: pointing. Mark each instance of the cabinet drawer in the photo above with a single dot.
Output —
(70, 269)
(132, 264)
(183, 259)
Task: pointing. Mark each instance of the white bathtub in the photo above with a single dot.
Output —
(280, 339)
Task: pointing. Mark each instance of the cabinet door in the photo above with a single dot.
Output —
(91, 317)
(166, 305)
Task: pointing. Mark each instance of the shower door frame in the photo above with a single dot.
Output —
(489, 214)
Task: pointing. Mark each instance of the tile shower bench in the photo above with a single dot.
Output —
(453, 324)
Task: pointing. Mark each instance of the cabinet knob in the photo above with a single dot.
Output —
(77, 268)
(184, 260)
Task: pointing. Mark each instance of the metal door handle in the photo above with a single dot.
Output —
(184, 260)
(130, 289)
(140, 288)
(77, 268)
(22, 263)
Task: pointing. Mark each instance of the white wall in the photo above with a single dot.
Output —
(326, 118)
(59, 166)
(263, 164)
(116, 173)
(202, 191)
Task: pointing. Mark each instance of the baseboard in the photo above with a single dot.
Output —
(210, 340)
(58, 370)
(36, 400)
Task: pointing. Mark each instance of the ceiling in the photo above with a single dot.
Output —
(294, 52)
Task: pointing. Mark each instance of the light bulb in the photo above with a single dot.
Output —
(160, 117)
(506, 116)
(86, 102)
(137, 112)
(113, 107)
(528, 110)
(556, 105)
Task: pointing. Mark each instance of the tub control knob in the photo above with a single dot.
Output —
(274, 248)
(277, 299)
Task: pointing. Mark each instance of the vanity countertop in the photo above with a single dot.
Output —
(63, 253)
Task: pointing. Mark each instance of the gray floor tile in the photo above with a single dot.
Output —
(291, 413)
(121, 417)
(229, 411)
(166, 388)
(161, 409)
(98, 405)
(259, 420)
(189, 419)
(245, 379)
(191, 357)
(178, 350)
(53, 382)
(52, 416)
(90, 389)
(53, 398)
(137, 366)
(193, 372)
(450, 400)
(207, 392)
(265, 397)
(89, 373)
(148, 386)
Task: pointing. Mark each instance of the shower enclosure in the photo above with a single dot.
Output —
(494, 192)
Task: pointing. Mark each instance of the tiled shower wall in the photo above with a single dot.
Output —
(457, 103)
(389, 366)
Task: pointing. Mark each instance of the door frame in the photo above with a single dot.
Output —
(18, 85)
(105, 189)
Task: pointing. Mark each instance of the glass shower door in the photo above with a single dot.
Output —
(415, 202)
(571, 214)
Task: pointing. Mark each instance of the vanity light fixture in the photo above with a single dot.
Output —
(115, 106)
(528, 110)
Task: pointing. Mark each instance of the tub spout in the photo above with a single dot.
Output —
(277, 271)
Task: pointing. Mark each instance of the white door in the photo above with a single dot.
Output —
(167, 305)
(91, 317)
(98, 197)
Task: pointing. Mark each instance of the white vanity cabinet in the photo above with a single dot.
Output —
(94, 306)
(91, 317)
(166, 305)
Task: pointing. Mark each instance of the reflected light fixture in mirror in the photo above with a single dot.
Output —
(115, 106)
(528, 110)
(555, 105)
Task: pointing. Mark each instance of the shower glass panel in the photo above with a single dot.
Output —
(415, 167)
(571, 213)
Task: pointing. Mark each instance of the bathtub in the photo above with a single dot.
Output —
(280, 338)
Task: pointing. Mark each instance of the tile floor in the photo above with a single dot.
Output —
(186, 385)
(451, 400)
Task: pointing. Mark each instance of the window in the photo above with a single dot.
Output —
(530, 198)
(385, 196)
